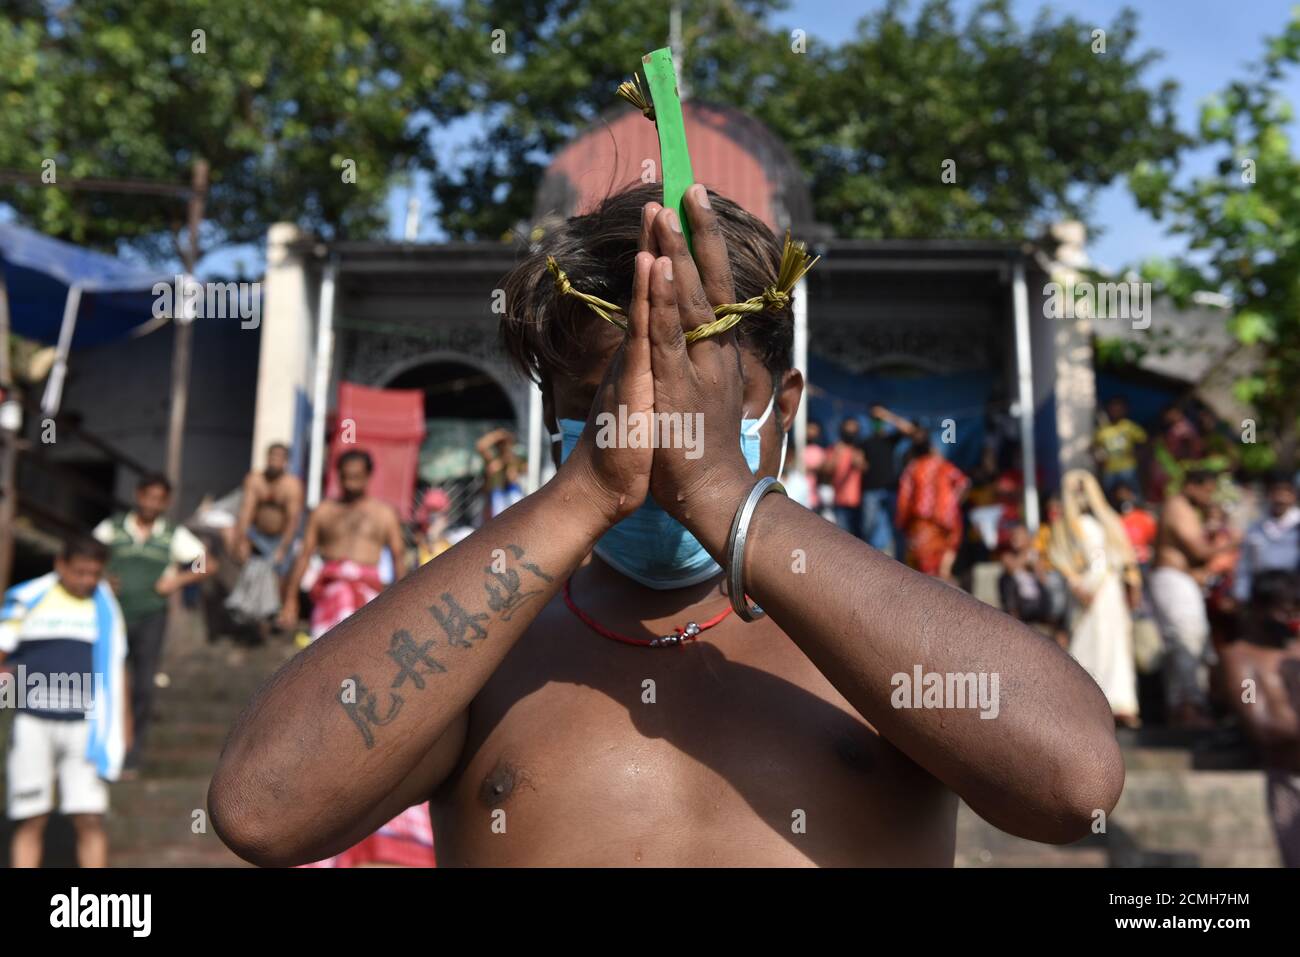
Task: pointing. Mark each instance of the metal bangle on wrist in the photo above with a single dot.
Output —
(736, 548)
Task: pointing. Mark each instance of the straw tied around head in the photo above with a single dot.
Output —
(794, 264)
(677, 177)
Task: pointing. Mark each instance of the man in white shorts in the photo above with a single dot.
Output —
(1185, 558)
(62, 654)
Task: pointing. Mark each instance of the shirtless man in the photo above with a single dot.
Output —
(1184, 560)
(351, 535)
(270, 511)
(545, 742)
(1263, 678)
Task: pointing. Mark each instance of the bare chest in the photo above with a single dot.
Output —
(352, 524)
(724, 752)
(279, 493)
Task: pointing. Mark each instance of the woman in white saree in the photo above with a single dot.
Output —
(1090, 548)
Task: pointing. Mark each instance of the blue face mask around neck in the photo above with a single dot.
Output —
(652, 547)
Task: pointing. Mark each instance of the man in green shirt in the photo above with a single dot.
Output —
(149, 559)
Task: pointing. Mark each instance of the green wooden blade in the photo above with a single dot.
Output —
(674, 157)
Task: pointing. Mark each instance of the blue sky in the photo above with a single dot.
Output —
(1205, 44)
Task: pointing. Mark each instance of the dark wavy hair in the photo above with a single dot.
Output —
(358, 454)
(81, 546)
(545, 333)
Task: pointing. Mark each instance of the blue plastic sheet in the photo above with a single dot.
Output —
(116, 297)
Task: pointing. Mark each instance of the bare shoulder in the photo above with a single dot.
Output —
(383, 508)
(1244, 661)
(383, 513)
(1240, 657)
(1176, 513)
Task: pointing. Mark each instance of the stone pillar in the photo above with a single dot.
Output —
(284, 362)
(1076, 382)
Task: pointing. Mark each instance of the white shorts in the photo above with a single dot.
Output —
(42, 750)
(1180, 611)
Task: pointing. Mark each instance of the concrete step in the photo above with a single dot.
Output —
(177, 855)
(1165, 818)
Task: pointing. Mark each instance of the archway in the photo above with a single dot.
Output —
(463, 401)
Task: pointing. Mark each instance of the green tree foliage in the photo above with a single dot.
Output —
(276, 94)
(1242, 226)
(1034, 119)
(557, 65)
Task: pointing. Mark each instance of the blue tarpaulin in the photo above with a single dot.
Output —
(926, 400)
(929, 401)
(116, 298)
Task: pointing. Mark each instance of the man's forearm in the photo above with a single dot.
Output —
(1043, 761)
(346, 720)
(296, 571)
(247, 506)
(906, 426)
(184, 579)
(397, 546)
(292, 519)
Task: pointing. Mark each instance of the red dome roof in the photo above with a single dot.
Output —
(731, 153)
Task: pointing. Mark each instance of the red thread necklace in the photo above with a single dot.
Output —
(679, 636)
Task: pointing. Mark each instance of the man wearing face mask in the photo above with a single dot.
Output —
(586, 680)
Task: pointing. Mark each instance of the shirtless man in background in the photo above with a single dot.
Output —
(1184, 560)
(270, 512)
(512, 677)
(1263, 679)
(350, 534)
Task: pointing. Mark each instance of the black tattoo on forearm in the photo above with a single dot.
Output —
(462, 628)
(413, 661)
(457, 622)
(504, 595)
(363, 709)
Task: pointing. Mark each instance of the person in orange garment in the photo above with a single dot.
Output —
(1139, 524)
(929, 510)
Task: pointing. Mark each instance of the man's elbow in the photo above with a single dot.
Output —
(248, 830)
(1087, 786)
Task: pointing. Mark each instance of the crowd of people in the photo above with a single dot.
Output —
(1169, 575)
(1160, 574)
(1162, 542)
(104, 611)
